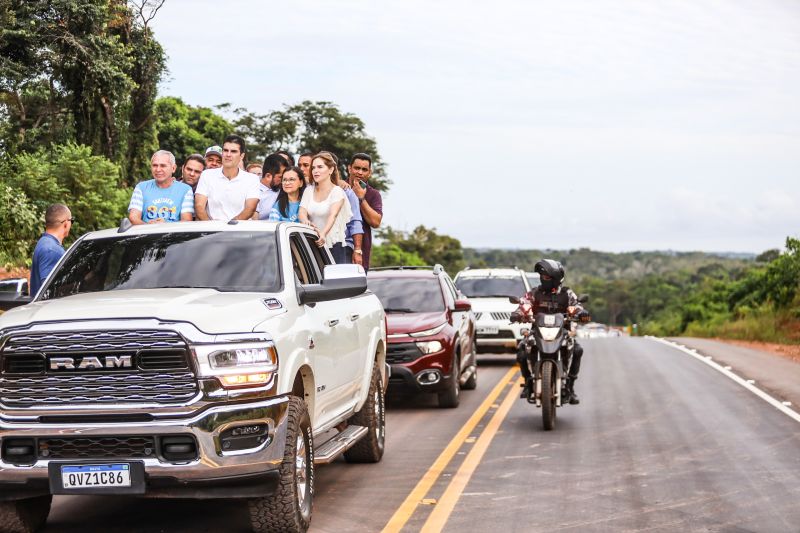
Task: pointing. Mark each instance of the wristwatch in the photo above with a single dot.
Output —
(357, 251)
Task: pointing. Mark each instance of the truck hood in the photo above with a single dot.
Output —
(487, 305)
(209, 310)
(399, 323)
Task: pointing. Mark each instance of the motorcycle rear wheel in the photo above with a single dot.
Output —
(549, 377)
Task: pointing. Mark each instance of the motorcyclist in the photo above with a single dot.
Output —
(550, 297)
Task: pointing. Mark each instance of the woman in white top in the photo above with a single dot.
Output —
(325, 206)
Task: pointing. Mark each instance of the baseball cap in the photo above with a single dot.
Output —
(214, 150)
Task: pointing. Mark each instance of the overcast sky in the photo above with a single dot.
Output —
(528, 124)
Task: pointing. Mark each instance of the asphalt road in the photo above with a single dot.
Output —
(660, 442)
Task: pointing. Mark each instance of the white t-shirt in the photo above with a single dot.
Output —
(226, 197)
(318, 213)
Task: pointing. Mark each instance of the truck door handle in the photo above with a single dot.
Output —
(332, 322)
(354, 317)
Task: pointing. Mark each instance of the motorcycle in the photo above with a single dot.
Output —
(549, 345)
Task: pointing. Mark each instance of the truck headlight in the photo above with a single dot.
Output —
(251, 364)
(429, 347)
(239, 357)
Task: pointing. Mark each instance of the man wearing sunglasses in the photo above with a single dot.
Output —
(58, 221)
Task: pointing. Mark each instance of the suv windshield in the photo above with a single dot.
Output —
(225, 261)
(408, 295)
(498, 287)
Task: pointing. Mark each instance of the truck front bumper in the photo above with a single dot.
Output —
(218, 469)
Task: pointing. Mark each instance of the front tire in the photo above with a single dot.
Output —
(373, 416)
(449, 398)
(24, 516)
(548, 395)
(289, 508)
(472, 382)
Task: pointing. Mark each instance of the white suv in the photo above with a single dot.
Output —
(488, 290)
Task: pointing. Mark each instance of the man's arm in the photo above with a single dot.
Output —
(372, 209)
(250, 205)
(135, 216)
(187, 206)
(358, 256)
(136, 206)
(200, 203)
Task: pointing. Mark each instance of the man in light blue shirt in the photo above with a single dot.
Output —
(161, 199)
(58, 221)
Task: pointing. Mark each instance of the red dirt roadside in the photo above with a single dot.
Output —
(789, 351)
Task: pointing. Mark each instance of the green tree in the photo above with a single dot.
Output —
(184, 129)
(311, 127)
(428, 245)
(393, 255)
(77, 70)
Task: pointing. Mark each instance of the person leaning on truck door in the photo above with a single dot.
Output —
(58, 221)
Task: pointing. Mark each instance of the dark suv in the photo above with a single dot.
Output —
(430, 331)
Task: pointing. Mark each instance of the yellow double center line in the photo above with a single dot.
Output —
(438, 518)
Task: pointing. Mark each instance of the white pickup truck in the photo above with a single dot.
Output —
(197, 359)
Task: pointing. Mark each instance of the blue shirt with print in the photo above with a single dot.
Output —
(155, 202)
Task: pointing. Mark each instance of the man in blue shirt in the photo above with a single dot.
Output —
(161, 199)
(58, 221)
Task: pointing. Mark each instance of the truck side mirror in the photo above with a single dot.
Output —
(339, 281)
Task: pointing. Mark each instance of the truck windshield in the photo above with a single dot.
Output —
(497, 287)
(408, 295)
(225, 261)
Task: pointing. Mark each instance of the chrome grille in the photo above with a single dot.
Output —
(161, 371)
(501, 316)
(93, 341)
(478, 316)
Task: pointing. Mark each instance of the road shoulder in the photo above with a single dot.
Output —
(776, 374)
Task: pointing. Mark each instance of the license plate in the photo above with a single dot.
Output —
(95, 476)
(488, 330)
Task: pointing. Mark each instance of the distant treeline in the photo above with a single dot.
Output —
(676, 293)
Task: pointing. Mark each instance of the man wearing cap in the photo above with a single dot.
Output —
(213, 157)
(229, 192)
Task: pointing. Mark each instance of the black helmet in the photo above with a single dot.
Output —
(554, 270)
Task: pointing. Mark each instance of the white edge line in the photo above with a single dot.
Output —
(777, 404)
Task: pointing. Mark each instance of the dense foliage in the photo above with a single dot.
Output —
(421, 246)
(81, 71)
(311, 127)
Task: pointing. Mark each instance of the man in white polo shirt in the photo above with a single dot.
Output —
(229, 192)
